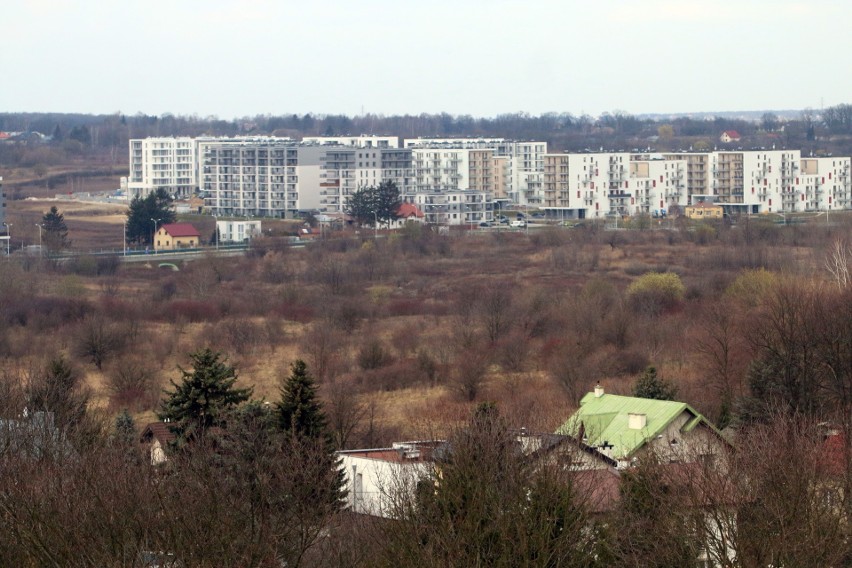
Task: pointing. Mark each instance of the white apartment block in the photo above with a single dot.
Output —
(264, 178)
(823, 184)
(356, 141)
(438, 169)
(163, 163)
(765, 181)
(345, 170)
(173, 164)
(520, 173)
(455, 207)
(580, 186)
(277, 177)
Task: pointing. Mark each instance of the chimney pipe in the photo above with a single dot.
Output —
(599, 391)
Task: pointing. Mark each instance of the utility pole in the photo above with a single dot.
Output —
(40, 227)
(8, 238)
(154, 234)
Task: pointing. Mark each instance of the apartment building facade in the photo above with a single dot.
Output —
(163, 163)
(362, 141)
(518, 167)
(767, 181)
(580, 186)
(345, 170)
(278, 177)
(455, 207)
(260, 178)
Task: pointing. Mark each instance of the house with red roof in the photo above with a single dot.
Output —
(155, 438)
(175, 236)
(730, 136)
(407, 212)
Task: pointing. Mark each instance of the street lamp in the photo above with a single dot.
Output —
(8, 237)
(154, 234)
(40, 227)
(124, 237)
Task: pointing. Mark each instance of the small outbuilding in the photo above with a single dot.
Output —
(704, 210)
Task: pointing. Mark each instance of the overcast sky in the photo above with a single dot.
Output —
(234, 59)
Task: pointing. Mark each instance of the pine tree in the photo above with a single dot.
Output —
(649, 385)
(204, 397)
(55, 232)
(305, 427)
(124, 429)
(299, 411)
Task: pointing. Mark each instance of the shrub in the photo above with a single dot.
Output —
(654, 292)
(373, 355)
(132, 385)
(751, 286)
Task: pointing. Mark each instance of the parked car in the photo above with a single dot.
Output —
(486, 224)
(504, 221)
(520, 223)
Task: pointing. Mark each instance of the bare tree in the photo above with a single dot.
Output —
(837, 263)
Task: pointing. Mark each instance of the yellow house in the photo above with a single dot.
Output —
(703, 210)
(176, 236)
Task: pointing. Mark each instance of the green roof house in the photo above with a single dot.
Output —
(623, 427)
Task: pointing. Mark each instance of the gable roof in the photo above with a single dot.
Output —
(705, 205)
(603, 420)
(733, 134)
(159, 431)
(181, 230)
(407, 210)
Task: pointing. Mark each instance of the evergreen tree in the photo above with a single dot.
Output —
(388, 201)
(299, 411)
(125, 429)
(55, 233)
(81, 134)
(649, 385)
(305, 427)
(156, 205)
(370, 205)
(204, 397)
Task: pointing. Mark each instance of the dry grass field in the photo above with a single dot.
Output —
(406, 333)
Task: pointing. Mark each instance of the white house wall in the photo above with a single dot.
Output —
(375, 486)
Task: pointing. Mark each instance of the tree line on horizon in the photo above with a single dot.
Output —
(812, 130)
